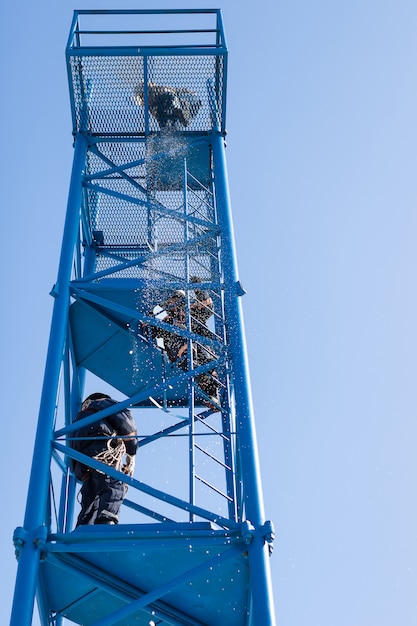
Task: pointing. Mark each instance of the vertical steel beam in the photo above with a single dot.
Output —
(263, 610)
(32, 536)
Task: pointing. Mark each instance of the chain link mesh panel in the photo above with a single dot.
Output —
(111, 97)
(171, 231)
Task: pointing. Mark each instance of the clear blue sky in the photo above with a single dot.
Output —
(322, 140)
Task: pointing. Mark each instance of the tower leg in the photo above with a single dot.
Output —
(262, 598)
(29, 539)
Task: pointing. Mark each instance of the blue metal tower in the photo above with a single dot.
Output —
(148, 215)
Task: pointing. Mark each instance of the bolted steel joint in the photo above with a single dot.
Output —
(268, 532)
(248, 532)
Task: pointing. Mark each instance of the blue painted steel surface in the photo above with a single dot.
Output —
(30, 540)
(148, 214)
(254, 506)
(215, 559)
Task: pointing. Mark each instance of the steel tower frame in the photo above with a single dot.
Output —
(148, 210)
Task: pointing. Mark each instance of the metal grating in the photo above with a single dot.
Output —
(104, 87)
(115, 57)
(136, 219)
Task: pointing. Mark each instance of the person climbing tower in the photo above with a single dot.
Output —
(111, 440)
(173, 311)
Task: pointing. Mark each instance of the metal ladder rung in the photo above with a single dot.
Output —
(212, 457)
(210, 486)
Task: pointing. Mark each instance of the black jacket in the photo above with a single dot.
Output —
(121, 423)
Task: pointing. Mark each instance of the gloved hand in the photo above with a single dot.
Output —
(129, 465)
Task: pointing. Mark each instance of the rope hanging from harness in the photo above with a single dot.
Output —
(113, 454)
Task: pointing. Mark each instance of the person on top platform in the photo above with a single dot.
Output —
(111, 440)
(172, 107)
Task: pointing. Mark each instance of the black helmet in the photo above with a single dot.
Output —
(96, 396)
(91, 398)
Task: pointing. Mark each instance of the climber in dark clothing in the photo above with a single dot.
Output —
(201, 309)
(111, 440)
(172, 107)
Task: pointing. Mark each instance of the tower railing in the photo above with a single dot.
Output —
(107, 66)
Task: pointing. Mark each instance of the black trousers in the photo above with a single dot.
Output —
(101, 499)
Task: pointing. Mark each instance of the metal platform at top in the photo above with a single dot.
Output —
(107, 64)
